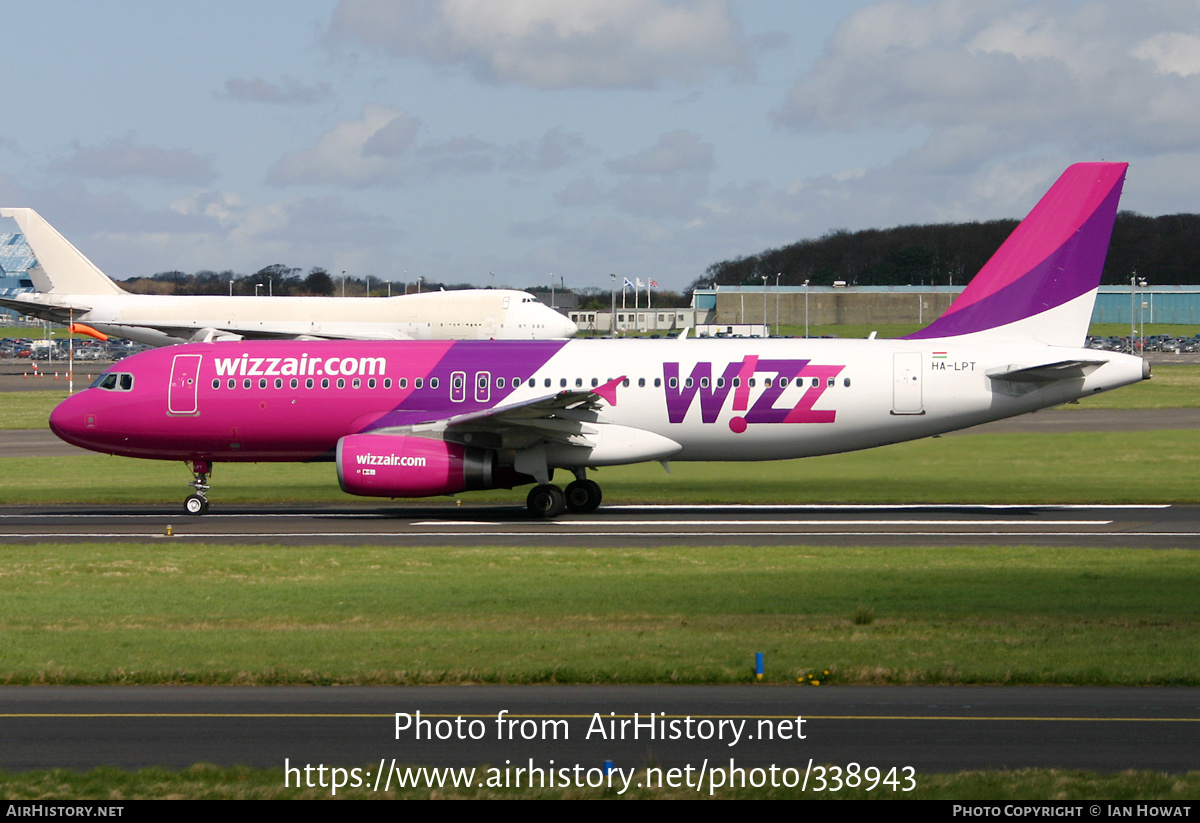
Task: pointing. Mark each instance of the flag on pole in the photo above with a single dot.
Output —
(654, 284)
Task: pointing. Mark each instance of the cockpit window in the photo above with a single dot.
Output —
(113, 381)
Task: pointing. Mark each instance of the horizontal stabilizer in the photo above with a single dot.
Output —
(1016, 380)
(1046, 373)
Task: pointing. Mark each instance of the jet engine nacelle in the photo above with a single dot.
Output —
(388, 465)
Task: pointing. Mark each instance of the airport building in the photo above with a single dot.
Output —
(16, 258)
(749, 308)
(652, 321)
(836, 305)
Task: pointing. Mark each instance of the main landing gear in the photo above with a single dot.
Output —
(581, 496)
(197, 503)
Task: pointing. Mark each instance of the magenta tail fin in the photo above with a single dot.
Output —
(1041, 283)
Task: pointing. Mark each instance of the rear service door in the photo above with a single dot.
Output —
(906, 383)
(185, 374)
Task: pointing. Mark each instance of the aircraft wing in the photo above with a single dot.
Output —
(565, 428)
(568, 428)
(567, 417)
(55, 312)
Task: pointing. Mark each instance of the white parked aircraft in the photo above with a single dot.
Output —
(71, 289)
(423, 418)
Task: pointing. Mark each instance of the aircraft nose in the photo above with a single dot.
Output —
(568, 327)
(69, 420)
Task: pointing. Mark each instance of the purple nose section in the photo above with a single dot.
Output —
(71, 421)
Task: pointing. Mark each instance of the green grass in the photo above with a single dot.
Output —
(28, 409)
(37, 333)
(179, 612)
(206, 782)
(1171, 387)
(1101, 467)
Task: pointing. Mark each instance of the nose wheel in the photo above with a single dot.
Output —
(197, 503)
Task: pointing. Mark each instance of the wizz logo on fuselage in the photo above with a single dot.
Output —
(736, 378)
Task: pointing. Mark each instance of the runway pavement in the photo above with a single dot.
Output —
(930, 729)
(1137, 526)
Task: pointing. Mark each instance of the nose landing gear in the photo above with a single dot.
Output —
(197, 504)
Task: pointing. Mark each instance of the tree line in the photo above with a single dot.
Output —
(284, 281)
(279, 280)
(1160, 249)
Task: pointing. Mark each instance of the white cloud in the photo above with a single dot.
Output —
(1171, 52)
(675, 151)
(383, 148)
(363, 152)
(666, 180)
(287, 92)
(555, 44)
(1099, 78)
(122, 158)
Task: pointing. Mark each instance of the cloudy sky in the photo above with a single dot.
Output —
(651, 138)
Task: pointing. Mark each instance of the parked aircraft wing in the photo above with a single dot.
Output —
(55, 312)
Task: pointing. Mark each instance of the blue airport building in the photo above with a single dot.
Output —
(16, 258)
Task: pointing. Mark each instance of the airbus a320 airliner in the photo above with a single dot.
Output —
(423, 418)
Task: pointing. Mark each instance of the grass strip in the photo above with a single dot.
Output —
(183, 613)
(1099, 467)
(207, 782)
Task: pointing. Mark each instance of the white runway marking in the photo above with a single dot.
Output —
(858, 523)
(200, 536)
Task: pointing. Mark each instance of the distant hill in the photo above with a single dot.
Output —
(1161, 249)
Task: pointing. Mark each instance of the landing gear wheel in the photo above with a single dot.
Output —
(583, 496)
(546, 501)
(195, 504)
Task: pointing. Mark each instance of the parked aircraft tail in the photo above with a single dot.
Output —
(62, 268)
(1041, 283)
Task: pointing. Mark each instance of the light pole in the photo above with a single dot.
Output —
(764, 279)
(257, 286)
(1142, 310)
(551, 289)
(613, 314)
(493, 274)
(777, 276)
(343, 282)
(805, 309)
